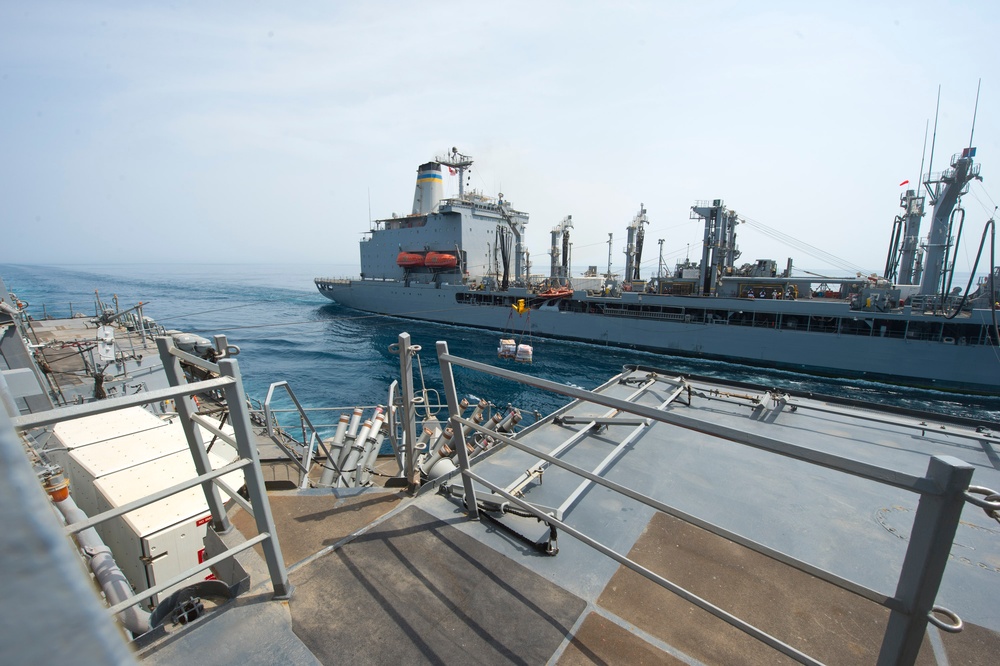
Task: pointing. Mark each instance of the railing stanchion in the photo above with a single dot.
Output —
(185, 408)
(458, 438)
(931, 538)
(409, 419)
(240, 421)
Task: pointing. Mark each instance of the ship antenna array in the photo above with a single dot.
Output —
(456, 160)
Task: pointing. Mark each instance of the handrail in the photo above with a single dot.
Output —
(735, 537)
(306, 462)
(943, 491)
(230, 384)
(838, 463)
(154, 497)
(71, 412)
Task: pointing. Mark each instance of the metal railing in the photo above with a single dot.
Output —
(943, 491)
(231, 385)
(404, 402)
(314, 439)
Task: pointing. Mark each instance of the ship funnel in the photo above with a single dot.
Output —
(430, 188)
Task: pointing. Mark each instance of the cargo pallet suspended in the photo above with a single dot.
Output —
(519, 350)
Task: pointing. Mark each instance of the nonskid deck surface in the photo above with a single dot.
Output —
(424, 584)
(415, 589)
(69, 340)
(854, 528)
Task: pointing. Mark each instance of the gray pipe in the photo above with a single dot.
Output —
(116, 587)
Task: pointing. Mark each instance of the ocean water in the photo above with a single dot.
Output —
(335, 357)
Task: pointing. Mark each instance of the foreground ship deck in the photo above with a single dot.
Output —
(379, 576)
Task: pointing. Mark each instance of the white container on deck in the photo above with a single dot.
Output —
(96, 446)
(159, 541)
(115, 458)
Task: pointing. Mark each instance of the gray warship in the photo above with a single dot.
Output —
(462, 260)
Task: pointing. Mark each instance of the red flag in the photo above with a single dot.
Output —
(905, 182)
(453, 172)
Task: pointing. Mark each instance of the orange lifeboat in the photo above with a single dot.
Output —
(409, 259)
(440, 260)
(556, 292)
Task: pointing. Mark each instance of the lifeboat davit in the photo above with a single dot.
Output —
(440, 260)
(409, 259)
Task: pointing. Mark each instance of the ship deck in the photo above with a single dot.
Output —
(381, 577)
(69, 351)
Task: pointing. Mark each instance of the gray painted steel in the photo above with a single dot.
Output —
(869, 332)
(800, 515)
(51, 612)
(927, 363)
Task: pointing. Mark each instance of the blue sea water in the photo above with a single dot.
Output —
(333, 356)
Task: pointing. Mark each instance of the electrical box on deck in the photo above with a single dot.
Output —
(116, 458)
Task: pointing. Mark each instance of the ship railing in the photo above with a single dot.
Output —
(406, 406)
(943, 491)
(611, 310)
(935, 176)
(311, 439)
(933, 303)
(298, 431)
(956, 157)
(230, 384)
(949, 174)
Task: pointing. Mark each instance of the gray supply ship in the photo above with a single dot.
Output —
(462, 261)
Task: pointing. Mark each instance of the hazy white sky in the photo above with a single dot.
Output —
(260, 131)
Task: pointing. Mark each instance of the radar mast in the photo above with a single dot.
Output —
(458, 162)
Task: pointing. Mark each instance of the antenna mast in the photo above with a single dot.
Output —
(456, 160)
(610, 240)
(947, 192)
(923, 156)
(930, 166)
(975, 111)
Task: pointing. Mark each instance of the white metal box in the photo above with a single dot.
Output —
(115, 458)
(95, 446)
(158, 541)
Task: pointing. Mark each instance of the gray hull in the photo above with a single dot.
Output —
(944, 362)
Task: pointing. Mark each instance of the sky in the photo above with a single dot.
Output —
(246, 132)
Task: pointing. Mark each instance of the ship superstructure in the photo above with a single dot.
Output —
(462, 261)
(444, 240)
